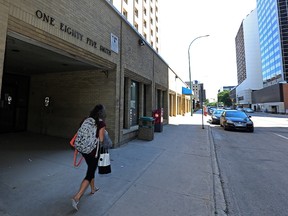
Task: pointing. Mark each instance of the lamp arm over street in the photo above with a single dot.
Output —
(191, 99)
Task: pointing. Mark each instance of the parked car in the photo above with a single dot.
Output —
(215, 116)
(248, 110)
(235, 119)
(210, 110)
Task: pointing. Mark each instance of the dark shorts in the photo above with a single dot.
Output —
(92, 163)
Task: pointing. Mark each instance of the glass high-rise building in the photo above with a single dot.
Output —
(262, 58)
(273, 32)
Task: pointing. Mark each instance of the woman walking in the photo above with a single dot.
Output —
(89, 138)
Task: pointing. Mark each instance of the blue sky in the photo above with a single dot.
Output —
(213, 58)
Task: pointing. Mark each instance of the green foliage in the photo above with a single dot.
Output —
(224, 97)
(212, 104)
(206, 102)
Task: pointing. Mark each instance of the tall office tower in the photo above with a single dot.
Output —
(273, 31)
(249, 73)
(240, 55)
(143, 15)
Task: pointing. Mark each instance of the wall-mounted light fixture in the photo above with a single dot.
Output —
(141, 42)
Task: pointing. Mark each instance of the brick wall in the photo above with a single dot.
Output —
(72, 97)
(73, 94)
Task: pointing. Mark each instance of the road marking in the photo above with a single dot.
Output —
(281, 136)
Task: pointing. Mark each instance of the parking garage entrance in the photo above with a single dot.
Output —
(24, 59)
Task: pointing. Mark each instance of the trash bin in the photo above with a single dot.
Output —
(146, 128)
(158, 116)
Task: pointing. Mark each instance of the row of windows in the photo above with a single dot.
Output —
(153, 28)
(126, 1)
(136, 14)
(144, 8)
(270, 75)
(269, 40)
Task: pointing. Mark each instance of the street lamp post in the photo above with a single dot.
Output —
(191, 99)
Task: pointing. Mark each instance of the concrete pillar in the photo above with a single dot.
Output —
(3, 35)
(171, 105)
(174, 105)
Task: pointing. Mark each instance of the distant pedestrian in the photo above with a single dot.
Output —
(89, 138)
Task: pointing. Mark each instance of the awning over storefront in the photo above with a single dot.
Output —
(186, 91)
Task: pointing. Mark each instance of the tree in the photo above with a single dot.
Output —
(224, 97)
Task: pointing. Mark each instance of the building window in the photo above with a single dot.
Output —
(151, 9)
(125, 13)
(136, 25)
(145, 11)
(126, 1)
(145, 24)
(151, 21)
(136, 12)
(145, 36)
(134, 99)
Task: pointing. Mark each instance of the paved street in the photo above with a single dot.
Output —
(254, 166)
(171, 175)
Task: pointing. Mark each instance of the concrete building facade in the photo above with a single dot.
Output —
(249, 73)
(179, 103)
(58, 59)
(262, 58)
(143, 15)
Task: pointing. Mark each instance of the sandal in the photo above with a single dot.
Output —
(95, 190)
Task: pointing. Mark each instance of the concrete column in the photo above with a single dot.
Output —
(174, 105)
(171, 104)
(3, 35)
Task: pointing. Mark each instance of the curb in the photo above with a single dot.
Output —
(220, 205)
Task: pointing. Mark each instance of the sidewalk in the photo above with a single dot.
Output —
(174, 174)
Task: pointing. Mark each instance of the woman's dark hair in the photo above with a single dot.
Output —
(98, 113)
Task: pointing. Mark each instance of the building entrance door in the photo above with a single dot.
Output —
(14, 103)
